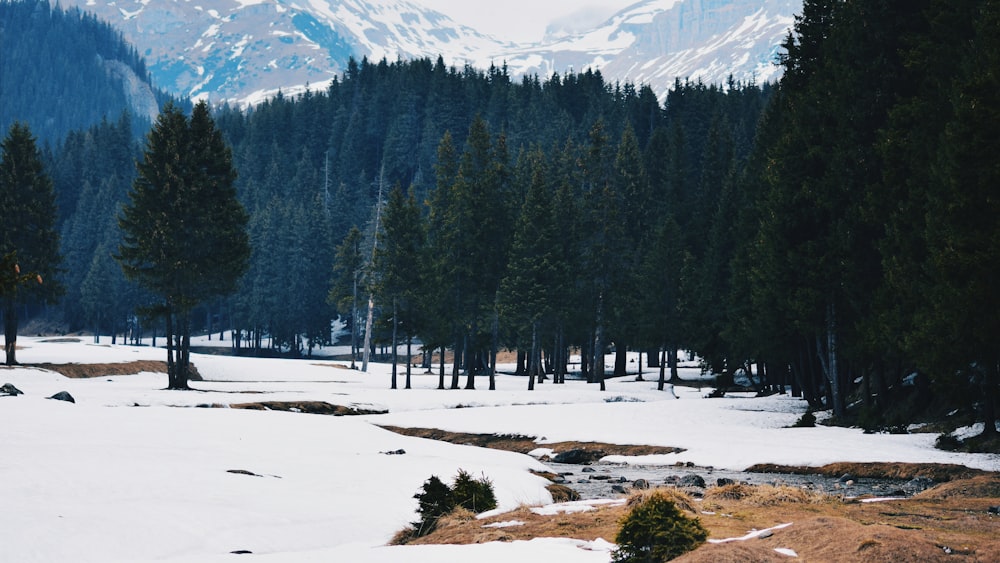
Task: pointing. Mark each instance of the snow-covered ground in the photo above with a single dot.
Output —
(132, 472)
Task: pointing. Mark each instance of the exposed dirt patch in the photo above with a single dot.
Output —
(82, 371)
(525, 444)
(310, 407)
(936, 471)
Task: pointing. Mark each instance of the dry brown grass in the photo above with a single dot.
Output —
(823, 528)
(939, 472)
(81, 371)
(764, 495)
(525, 444)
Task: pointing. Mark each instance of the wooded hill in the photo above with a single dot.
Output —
(838, 233)
(63, 70)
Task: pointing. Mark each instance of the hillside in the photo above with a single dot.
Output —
(65, 70)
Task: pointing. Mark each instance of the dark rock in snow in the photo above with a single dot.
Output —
(400, 451)
(618, 489)
(723, 481)
(10, 391)
(588, 470)
(63, 396)
(640, 484)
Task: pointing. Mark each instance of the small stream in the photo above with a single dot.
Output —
(611, 480)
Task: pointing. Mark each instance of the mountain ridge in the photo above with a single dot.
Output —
(244, 51)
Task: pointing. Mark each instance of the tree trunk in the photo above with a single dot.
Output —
(672, 363)
(395, 324)
(826, 348)
(663, 370)
(10, 331)
(991, 382)
(599, 344)
(456, 367)
(621, 360)
(533, 362)
(409, 362)
(494, 342)
(441, 368)
(171, 364)
(652, 358)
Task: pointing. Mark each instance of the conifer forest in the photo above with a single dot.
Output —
(835, 233)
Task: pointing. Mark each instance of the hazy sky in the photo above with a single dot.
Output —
(524, 20)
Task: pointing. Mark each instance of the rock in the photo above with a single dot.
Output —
(588, 470)
(723, 481)
(63, 396)
(919, 484)
(574, 457)
(846, 479)
(641, 484)
(600, 477)
(618, 489)
(395, 452)
(993, 510)
(10, 391)
(692, 480)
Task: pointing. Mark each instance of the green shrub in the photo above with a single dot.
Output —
(434, 500)
(437, 499)
(655, 530)
(808, 420)
(473, 494)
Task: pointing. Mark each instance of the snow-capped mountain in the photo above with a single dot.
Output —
(243, 50)
(656, 41)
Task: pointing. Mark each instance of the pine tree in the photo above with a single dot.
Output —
(184, 230)
(527, 292)
(345, 291)
(397, 269)
(28, 237)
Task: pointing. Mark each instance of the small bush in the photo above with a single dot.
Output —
(656, 530)
(436, 500)
(808, 420)
(475, 495)
(433, 501)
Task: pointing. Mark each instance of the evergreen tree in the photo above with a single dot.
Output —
(528, 288)
(397, 269)
(348, 268)
(184, 231)
(28, 237)
(963, 234)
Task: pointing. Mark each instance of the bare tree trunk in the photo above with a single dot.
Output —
(599, 344)
(409, 362)
(395, 358)
(533, 361)
(441, 368)
(10, 331)
(663, 370)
